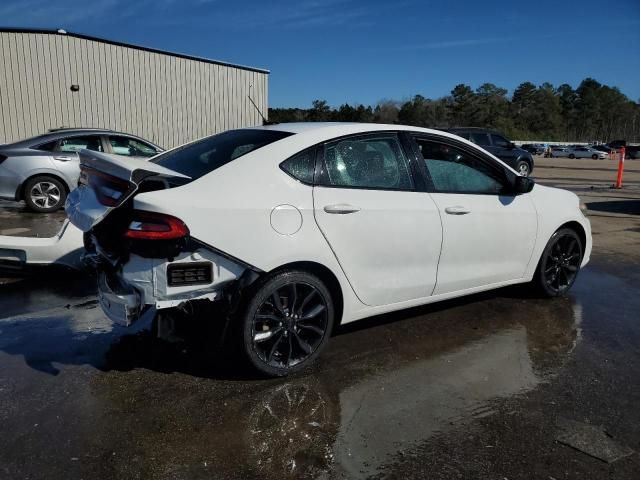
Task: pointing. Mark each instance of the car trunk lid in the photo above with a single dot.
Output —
(107, 182)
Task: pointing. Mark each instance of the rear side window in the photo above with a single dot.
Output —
(301, 166)
(75, 144)
(375, 161)
(47, 147)
(204, 156)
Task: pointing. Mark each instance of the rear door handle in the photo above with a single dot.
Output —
(341, 209)
(63, 158)
(457, 210)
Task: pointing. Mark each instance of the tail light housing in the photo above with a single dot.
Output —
(109, 190)
(155, 226)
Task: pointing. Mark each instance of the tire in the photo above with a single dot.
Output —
(560, 259)
(277, 340)
(594, 156)
(44, 194)
(523, 168)
(572, 156)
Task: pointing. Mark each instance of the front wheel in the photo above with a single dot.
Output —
(286, 323)
(559, 264)
(572, 156)
(523, 168)
(594, 156)
(44, 194)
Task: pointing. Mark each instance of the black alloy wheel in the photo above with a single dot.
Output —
(287, 322)
(560, 263)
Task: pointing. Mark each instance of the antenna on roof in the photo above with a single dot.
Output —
(264, 119)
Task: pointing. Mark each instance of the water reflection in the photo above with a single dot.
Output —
(381, 388)
(353, 421)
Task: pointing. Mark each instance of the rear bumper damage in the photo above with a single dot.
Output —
(141, 284)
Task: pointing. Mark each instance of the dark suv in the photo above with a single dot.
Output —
(496, 143)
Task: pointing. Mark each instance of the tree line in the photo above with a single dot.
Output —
(591, 112)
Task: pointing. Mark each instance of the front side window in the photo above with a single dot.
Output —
(372, 161)
(500, 141)
(75, 144)
(130, 147)
(481, 139)
(204, 156)
(453, 170)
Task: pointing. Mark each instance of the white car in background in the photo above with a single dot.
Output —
(301, 227)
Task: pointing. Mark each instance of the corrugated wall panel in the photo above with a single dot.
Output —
(167, 99)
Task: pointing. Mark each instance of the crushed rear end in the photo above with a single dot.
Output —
(144, 260)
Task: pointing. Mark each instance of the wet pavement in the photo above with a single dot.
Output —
(498, 385)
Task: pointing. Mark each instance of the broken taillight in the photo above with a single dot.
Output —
(109, 190)
(155, 226)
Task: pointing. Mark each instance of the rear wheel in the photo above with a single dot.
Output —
(572, 156)
(44, 194)
(559, 263)
(286, 322)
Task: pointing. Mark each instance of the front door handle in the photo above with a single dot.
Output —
(457, 210)
(341, 209)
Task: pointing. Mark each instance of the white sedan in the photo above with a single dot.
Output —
(298, 228)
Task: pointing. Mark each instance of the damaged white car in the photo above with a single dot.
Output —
(301, 227)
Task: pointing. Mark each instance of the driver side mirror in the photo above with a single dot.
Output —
(523, 185)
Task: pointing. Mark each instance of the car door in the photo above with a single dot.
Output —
(488, 233)
(385, 233)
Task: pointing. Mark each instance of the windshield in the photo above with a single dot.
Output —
(199, 158)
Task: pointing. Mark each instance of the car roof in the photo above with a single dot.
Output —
(346, 128)
(58, 133)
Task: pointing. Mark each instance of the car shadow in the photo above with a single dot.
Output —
(72, 330)
(629, 207)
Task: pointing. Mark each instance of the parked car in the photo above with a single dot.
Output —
(559, 151)
(497, 144)
(601, 148)
(533, 149)
(298, 228)
(587, 152)
(42, 170)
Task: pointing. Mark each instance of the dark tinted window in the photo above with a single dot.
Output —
(201, 157)
(47, 147)
(375, 161)
(499, 141)
(301, 166)
(481, 139)
(454, 171)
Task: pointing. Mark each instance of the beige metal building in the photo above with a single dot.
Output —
(51, 79)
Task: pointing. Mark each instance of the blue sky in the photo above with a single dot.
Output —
(364, 51)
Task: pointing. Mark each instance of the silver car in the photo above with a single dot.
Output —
(587, 152)
(42, 170)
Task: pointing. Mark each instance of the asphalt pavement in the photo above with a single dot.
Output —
(498, 385)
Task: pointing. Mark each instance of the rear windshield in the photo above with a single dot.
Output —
(201, 157)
